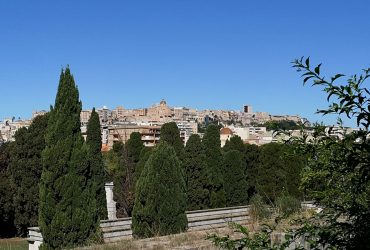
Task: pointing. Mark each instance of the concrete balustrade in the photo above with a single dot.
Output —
(119, 229)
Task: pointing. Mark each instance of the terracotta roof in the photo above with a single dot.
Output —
(104, 148)
(226, 131)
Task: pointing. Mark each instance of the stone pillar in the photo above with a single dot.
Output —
(111, 204)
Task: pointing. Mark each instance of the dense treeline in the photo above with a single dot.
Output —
(270, 170)
(212, 176)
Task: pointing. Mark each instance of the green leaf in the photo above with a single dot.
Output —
(308, 62)
(306, 79)
(336, 77)
(317, 69)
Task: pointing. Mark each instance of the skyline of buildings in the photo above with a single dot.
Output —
(117, 124)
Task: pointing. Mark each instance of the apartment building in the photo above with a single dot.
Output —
(121, 133)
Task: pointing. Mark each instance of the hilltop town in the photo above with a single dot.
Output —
(117, 124)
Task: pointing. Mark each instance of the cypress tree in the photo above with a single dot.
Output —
(122, 185)
(271, 179)
(195, 166)
(235, 143)
(236, 185)
(143, 158)
(134, 147)
(25, 169)
(93, 140)
(212, 145)
(170, 133)
(160, 199)
(251, 156)
(67, 215)
(7, 188)
(125, 175)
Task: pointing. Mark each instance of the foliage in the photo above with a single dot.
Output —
(212, 146)
(7, 188)
(251, 158)
(134, 146)
(111, 162)
(160, 198)
(122, 190)
(337, 173)
(195, 166)
(287, 205)
(94, 141)
(67, 214)
(25, 170)
(271, 180)
(124, 176)
(281, 125)
(278, 171)
(170, 133)
(259, 240)
(236, 185)
(259, 209)
(235, 143)
(143, 158)
(118, 147)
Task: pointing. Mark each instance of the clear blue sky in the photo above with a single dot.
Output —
(197, 53)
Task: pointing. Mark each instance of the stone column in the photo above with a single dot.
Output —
(111, 204)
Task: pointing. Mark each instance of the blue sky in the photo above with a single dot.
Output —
(196, 53)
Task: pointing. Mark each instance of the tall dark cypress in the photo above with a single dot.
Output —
(170, 133)
(7, 189)
(271, 178)
(195, 166)
(93, 140)
(235, 143)
(124, 179)
(212, 146)
(25, 169)
(68, 214)
(160, 198)
(236, 186)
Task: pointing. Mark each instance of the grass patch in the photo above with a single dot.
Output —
(13, 244)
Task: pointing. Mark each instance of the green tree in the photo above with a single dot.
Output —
(112, 159)
(271, 177)
(212, 146)
(7, 189)
(195, 166)
(160, 199)
(67, 214)
(143, 158)
(170, 133)
(124, 187)
(134, 146)
(293, 165)
(25, 170)
(339, 165)
(235, 143)
(236, 186)
(251, 157)
(281, 125)
(94, 141)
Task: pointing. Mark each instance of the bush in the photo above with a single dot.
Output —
(287, 205)
(259, 209)
(160, 197)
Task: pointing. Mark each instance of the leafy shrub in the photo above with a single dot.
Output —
(287, 205)
(259, 209)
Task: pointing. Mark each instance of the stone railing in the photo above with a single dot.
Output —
(120, 229)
